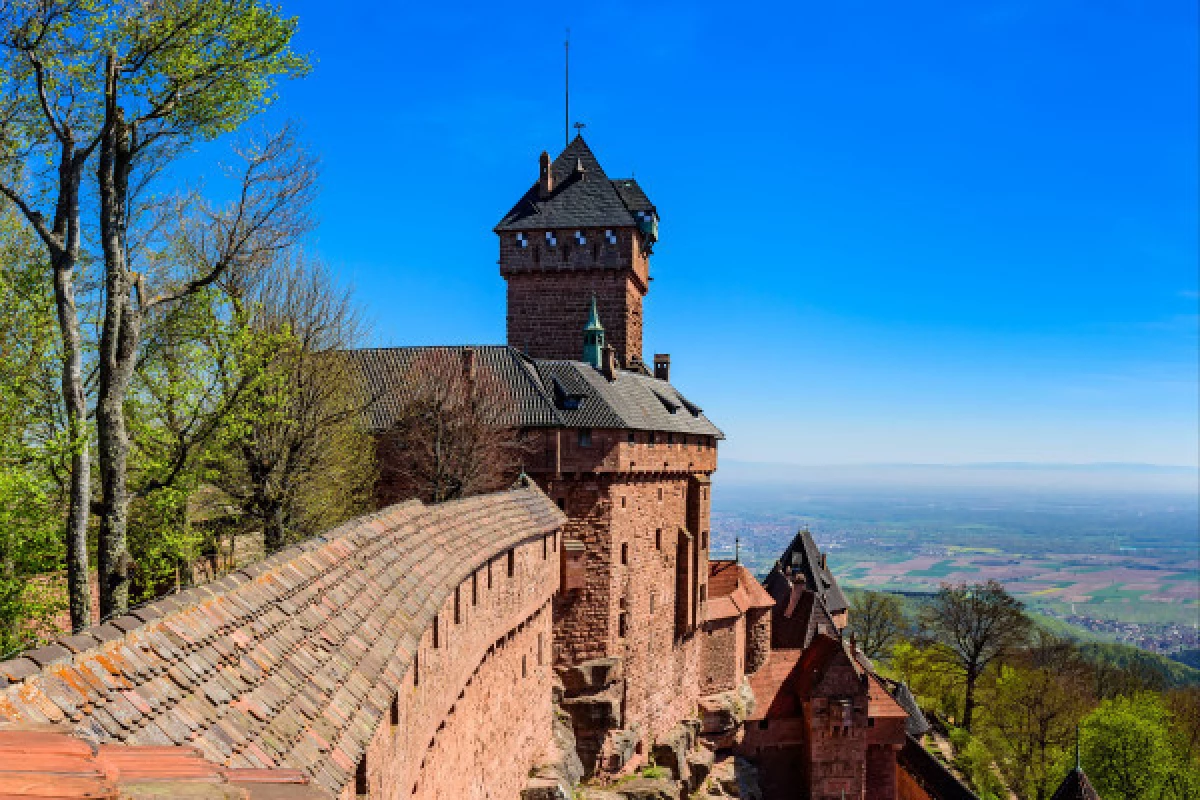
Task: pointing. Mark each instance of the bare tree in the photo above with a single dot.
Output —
(45, 117)
(455, 434)
(877, 622)
(977, 625)
(300, 460)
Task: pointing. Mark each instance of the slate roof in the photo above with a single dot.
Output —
(545, 393)
(291, 662)
(917, 726)
(802, 555)
(586, 199)
(1075, 786)
(44, 761)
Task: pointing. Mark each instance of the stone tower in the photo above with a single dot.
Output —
(576, 235)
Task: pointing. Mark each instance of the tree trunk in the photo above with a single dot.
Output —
(969, 702)
(118, 354)
(63, 260)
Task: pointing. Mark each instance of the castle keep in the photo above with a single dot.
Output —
(546, 642)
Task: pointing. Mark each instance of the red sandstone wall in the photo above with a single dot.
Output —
(724, 647)
(474, 712)
(909, 789)
(550, 290)
(610, 450)
(758, 638)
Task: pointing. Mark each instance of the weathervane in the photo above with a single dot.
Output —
(579, 126)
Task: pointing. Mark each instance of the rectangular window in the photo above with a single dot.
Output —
(623, 624)
(360, 778)
(475, 588)
(512, 563)
(541, 645)
(585, 438)
(417, 668)
(489, 580)
(562, 504)
(545, 547)
(395, 712)
(437, 642)
(658, 539)
(457, 605)
(632, 437)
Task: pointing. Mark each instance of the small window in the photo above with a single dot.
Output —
(417, 668)
(653, 601)
(762, 724)
(650, 438)
(475, 588)
(703, 540)
(622, 501)
(703, 592)
(512, 563)
(457, 605)
(670, 439)
(541, 649)
(658, 539)
(395, 711)
(632, 437)
(625, 553)
(562, 503)
(585, 438)
(623, 624)
(524, 666)
(660, 494)
(489, 580)
(437, 641)
(545, 547)
(870, 722)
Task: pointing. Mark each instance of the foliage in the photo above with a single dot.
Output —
(876, 621)
(973, 759)
(975, 625)
(1128, 751)
(31, 549)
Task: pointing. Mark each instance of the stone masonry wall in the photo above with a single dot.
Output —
(474, 709)
(550, 290)
(758, 638)
(724, 644)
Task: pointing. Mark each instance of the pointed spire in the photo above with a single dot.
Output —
(593, 338)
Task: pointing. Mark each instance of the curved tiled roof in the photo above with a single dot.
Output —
(289, 663)
(538, 388)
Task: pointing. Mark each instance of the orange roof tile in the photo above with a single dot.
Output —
(244, 670)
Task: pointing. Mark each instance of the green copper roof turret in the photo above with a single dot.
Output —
(593, 338)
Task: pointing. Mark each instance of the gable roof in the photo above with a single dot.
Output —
(291, 662)
(1075, 786)
(732, 590)
(545, 393)
(579, 199)
(803, 555)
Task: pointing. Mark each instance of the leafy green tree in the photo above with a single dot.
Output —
(1033, 711)
(975, 625)
(175, 72)
(930, 673)
(876, 621)
(1126, 747)
(31, 546)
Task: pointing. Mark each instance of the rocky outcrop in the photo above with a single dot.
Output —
(733, 777)
(722, 715)
(593, 695)
(671, 751)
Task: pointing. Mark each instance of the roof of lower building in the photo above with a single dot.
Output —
(292, 662)
(802, 556)
(1075, 786)
(732, 591)
(45, 761)
(544, 393)
(931, 774)
(582, 197)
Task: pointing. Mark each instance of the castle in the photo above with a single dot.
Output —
(572, 628)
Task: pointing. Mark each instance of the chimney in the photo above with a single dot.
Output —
(609, 368)
(662, 367)
(468, 363)
(545, 179)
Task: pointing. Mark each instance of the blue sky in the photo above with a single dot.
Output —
(919, 232)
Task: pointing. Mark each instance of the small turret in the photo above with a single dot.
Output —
(593, 338)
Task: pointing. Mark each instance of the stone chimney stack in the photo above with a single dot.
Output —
(662, 367)
(609, 368)
(545, 179)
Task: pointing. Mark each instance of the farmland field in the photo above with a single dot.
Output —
(1125, 563)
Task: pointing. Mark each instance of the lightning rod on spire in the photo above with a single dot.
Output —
(567, 89)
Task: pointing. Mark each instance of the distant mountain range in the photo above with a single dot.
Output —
(999, 475)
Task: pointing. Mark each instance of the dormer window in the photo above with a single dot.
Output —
(551, 240)
(522, 241)
(670, 406)
(580, 238)
(610, 237)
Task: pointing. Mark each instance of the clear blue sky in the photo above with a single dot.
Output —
(914, 232)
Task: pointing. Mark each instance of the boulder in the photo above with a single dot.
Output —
(700, 764)
(649, 789)
(545, 789)
(619, 748)
(725, 711)
(671, 751)
(591, 676)
(593, 712)
(564, 744)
